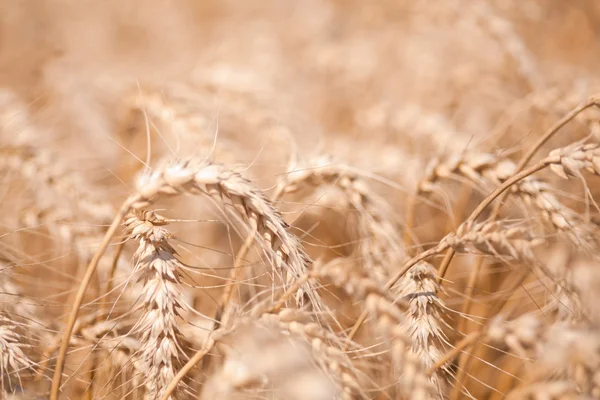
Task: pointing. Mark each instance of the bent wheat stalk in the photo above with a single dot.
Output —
(194, 177)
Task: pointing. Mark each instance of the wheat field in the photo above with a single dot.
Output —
(315, 200)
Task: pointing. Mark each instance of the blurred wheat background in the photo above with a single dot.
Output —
(310, 200)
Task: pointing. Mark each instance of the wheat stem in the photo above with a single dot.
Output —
(89, 273)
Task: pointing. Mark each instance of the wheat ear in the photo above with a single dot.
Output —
(60, 194)
(559, 350)
(283, 248)
(488, 169)
(522, 172)
(325, 348)
(157, 266)
(380, 245)
(389, 313)
(424, 321)
(13, 359)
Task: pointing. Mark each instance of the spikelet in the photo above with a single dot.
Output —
(570, 160)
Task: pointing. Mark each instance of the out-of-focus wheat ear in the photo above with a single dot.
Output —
(424, 322)
(46, 171)
(64, 200)
(493, 238)
(585, 280)
(180, 114)
(326, 348)
(157, 266)
(513, 44)
(524, 335)
(13, 359)
(59, 191)
(572, 350)
(564, 298)
(389, 314)
(558, 349)
(281, 247)
(380, 242)
(262, 353)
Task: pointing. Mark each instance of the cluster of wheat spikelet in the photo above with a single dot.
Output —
(222, 252)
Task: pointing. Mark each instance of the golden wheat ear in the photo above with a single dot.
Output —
(156, 265)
